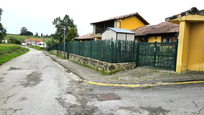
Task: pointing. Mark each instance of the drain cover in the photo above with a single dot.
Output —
(110, 96)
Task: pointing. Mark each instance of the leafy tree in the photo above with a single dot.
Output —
(65, 23)
(2, 29)
(36, 34)
(23, 30)
(14, 41)
(29, 33)
(41, 34)
(72, 33)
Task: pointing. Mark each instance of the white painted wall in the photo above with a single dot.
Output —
(120, 36)
(108, 34)
(130, 37)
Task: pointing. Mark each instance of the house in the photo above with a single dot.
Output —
(33, 42)
(86, 37)
(191, 39)
(41, 44)
(4, 41)
(118, 34)
(163, 32)
(129, 21)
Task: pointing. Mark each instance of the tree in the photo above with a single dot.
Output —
(36, 34)
(2, 29)
(65, 23)
(23, 31)
(29, 33)
(14, 41)
(41, 34)
(72, 33)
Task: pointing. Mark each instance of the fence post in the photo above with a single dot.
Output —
(133, 52)
(119, 51)
(155, 51)
(90, 49)
(111, 50)
(137, 53)
(68, 45)
(57, 48)
(175, 57)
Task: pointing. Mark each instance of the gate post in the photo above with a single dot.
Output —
(175, 55)
(137, 53)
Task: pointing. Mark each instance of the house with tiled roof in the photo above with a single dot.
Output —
(4, 41)
(162, 32)
(129, 21)
(86, 37)
(34, 42)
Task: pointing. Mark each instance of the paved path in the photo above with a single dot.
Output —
(30, 84)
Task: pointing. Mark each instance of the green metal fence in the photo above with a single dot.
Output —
(161, 55)
(106, 50)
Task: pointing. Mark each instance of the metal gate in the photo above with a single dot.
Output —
(161, 55)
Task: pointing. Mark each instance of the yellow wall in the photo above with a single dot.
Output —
(190, 54)
(196, 47)
(130, 23)
(152, 39)
(183, 46)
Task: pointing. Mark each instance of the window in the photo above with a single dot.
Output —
(169, 39)
(164, 40)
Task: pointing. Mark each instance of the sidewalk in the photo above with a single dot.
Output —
(139, 75)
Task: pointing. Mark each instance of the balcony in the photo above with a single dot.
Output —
(99, 30)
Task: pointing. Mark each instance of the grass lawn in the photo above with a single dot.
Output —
(10, 51)
(22, 38)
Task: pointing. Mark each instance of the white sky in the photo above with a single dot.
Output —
(37, 15)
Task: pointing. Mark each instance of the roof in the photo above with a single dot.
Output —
(118, 30)
(87, 36)
(37, 40)
(192, 11)
(124, 16)
(164, 27)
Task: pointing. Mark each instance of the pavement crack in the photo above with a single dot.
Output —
(200, 110)
(195, 104)
(80, 95)
(10, 111)
(5, 102)
(171, 101)
(47, 66)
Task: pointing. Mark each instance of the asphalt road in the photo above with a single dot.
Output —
(32, 84)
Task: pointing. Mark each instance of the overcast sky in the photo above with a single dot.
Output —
(37, 15)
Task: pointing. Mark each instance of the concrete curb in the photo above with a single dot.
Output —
(143, 85)
(76, 77)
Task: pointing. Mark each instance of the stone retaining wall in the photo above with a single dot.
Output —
(97, 64)
(59, 53)
(100, 65)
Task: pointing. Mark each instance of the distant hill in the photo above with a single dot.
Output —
(22, 38)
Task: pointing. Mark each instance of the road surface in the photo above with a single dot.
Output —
(32, 84)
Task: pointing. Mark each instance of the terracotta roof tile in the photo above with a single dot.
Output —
(37, 40)
(87, 36)
(124, 16)
(192, 11)
(164, 27)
